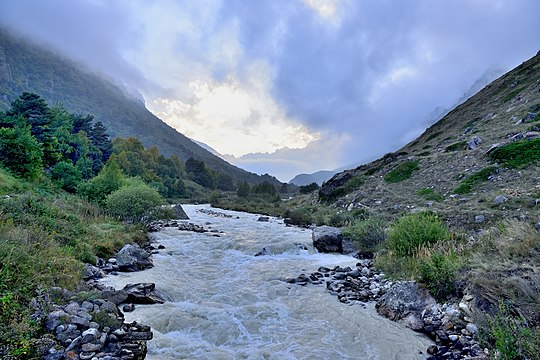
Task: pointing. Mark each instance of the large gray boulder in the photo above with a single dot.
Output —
(132, 258)
(327, 239)
(179, 212)
(404, 303)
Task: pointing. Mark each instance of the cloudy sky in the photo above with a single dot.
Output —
(290, 86)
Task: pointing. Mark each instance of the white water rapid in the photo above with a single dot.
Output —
(225, 303)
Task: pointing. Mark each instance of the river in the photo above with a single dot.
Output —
(225, 303)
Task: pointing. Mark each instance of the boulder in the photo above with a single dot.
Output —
(142, 293)
(132, 258)
(179, 212)
(499, 200)
(92, 272)
(263, 219)
(328, 239)
(474, 142)
(404, 303)
(328, 189)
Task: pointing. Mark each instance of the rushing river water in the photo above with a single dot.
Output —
(225, 303)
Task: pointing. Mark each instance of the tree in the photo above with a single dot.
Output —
(20, 152)
(199, 173)
(243, 189)
(306, 189)
(109, 179)
(100, 139)
(67, 176)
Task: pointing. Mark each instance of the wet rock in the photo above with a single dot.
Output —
(264, 251)
(142, 293)
(263, 219)
(327, 239)
(92, 272)
(128, 308)
(404, 303)
(133, 258)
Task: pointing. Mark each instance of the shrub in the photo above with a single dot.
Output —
(339, 219)
(439, 273)
(456, 146)
(366, 234)
(413, 231)
(517, 154)
(430, 194)
(306, 189)
(109, 179)
(511, 336)
(402, 172)
(133, 202)
(301, 216)
(66, 176)
(466, 185)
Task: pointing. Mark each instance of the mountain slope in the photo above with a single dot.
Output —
(26, 67)
(442, 164)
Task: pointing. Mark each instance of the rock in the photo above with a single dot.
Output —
(347, 247)
(264, 251)
(92, 273)
(474, 142)
(529, 117)
(90, 335)
(499, 200)
(142, 293)
(327, 239)
(179, 212)
(472, 328)
(493, 148)
(133, 258)
(479, 219)
(128, 308)
(263, 219)
(404, 303)
(56, 318)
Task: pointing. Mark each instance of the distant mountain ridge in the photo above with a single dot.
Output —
(27, 67)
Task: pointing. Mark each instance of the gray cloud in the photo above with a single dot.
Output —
(376, 72)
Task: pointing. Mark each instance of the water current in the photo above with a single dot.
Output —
(225, 303)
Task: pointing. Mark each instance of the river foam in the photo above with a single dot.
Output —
(225, 303)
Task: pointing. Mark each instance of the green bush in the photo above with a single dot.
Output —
(430, 194)
(511, 335)
(306, 189)
(518, 154)
(402, 172)
(340, 219)
(439, 273)
(301, 216)
(133, 202)
(413, 231)
(66, 176)
(367, 234)
(466, 185)
(20, 152)
(109, 179)
(456, 146)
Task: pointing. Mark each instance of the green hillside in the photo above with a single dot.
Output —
(26, 67)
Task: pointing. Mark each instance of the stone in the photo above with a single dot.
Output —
(327, 239)
(472, 328)
(404, 303)
(474, 142)
(179, 212)
(263, 219)
(479, 219)
(499, 200)
(56, 318)
(90, 335)
(92, 272)
(133, 258)
(89, 347)
(86, 355)
(78, 320)
(142, 293)
(128, 308)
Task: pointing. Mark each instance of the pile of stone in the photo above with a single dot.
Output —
(449, 326)
(214, 213)
(349, 285)
(94, 329)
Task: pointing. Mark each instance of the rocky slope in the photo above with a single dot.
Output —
(449, 152)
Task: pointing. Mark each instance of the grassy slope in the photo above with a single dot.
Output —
(45, 236)
(26, 67)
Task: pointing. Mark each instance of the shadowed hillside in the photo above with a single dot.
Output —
(26, 67)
